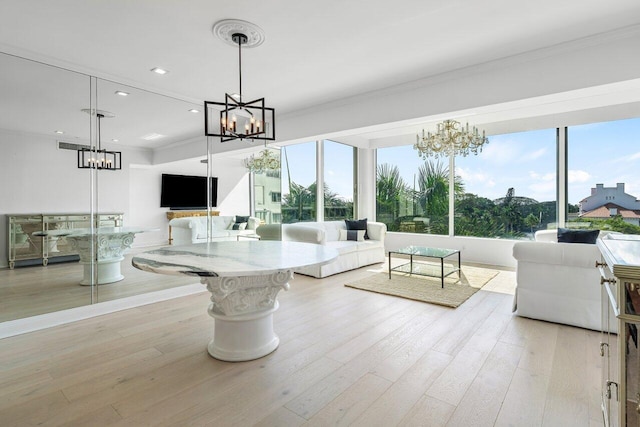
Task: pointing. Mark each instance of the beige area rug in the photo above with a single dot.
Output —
(428, 289)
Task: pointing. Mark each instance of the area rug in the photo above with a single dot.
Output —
(428, 289)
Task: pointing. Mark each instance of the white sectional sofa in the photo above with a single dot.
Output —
(351, 254)
(558, 282)
(193, 229)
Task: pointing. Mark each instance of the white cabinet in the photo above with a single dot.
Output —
(620, 271)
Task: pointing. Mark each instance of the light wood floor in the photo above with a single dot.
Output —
(346, 357)
(29, 291)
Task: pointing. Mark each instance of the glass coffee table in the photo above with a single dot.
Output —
(424, 269)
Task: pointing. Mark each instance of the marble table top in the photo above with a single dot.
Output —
(97, 231)
(249, 258)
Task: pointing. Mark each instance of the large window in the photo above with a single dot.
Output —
(509, 189)
(299, 183)
(338, 181)
(603, 176)
(412, 195)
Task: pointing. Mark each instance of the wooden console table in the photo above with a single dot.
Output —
(182, 214)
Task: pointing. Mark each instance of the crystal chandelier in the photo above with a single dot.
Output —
(451, 138)
(234, 118)
(265, 161)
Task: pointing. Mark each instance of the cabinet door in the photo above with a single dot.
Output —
(609, 349)
(22, 244)
(631, 367)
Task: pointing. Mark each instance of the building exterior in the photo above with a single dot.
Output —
(606, 202)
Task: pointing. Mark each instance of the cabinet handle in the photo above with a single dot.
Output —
(604, 280)
(600, 264)
(609, 384)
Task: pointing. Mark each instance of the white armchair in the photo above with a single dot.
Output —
(558, 282)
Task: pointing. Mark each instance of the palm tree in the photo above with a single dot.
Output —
(294, 203)
(433, 188)
(390, 188)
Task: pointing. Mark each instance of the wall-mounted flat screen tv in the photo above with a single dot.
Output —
(187, 192)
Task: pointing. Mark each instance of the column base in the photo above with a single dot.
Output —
(108, 272)
(240, 338)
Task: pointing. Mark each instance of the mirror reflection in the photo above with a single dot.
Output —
(48, 199)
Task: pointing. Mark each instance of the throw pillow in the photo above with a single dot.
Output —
(577, 236)
(355, 235)
(240, 219)
(360, 224)
(239, 226)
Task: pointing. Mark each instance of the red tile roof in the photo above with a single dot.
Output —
(603, 212)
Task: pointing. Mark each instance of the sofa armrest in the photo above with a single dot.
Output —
(581, 255)
(302, 233)
(376, 230)
(253, 223)
(186, 222)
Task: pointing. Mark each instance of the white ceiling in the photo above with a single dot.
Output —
(315, 53)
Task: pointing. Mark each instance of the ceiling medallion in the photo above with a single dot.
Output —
(226, 28)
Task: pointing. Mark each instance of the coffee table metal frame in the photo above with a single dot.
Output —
(426, 252)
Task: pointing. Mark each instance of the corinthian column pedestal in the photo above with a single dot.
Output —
(244, 279)
(243, 310)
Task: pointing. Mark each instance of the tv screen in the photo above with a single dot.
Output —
(187, 192)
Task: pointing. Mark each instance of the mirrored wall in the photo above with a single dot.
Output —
(46, 115)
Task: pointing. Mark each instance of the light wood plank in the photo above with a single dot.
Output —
(348, 406)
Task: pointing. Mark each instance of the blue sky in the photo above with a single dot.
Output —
(607, 153)
(338, 174)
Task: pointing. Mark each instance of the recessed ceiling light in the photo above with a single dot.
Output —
(122, 93)
(114, 140)
(235, 95)
(159, 70)
(152, 136)
(59, 132)
(193, 110)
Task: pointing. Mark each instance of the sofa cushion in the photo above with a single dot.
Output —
(566, 235)
(359, 224)
(343, 247)
(353, 235)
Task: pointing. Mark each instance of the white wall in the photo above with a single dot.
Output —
(366, 183)
(472, 249)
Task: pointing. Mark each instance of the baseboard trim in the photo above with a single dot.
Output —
(49, 320)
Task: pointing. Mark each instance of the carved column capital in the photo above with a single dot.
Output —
(245, 294)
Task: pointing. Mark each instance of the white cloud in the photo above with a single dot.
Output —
(576, 176)
(551, 176)
(469, 176)
(500, 152)
(533, 155)
(542, 191)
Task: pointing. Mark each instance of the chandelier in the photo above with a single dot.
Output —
(265, 161)
(451, 139)
(96, 157)
(234, 118)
